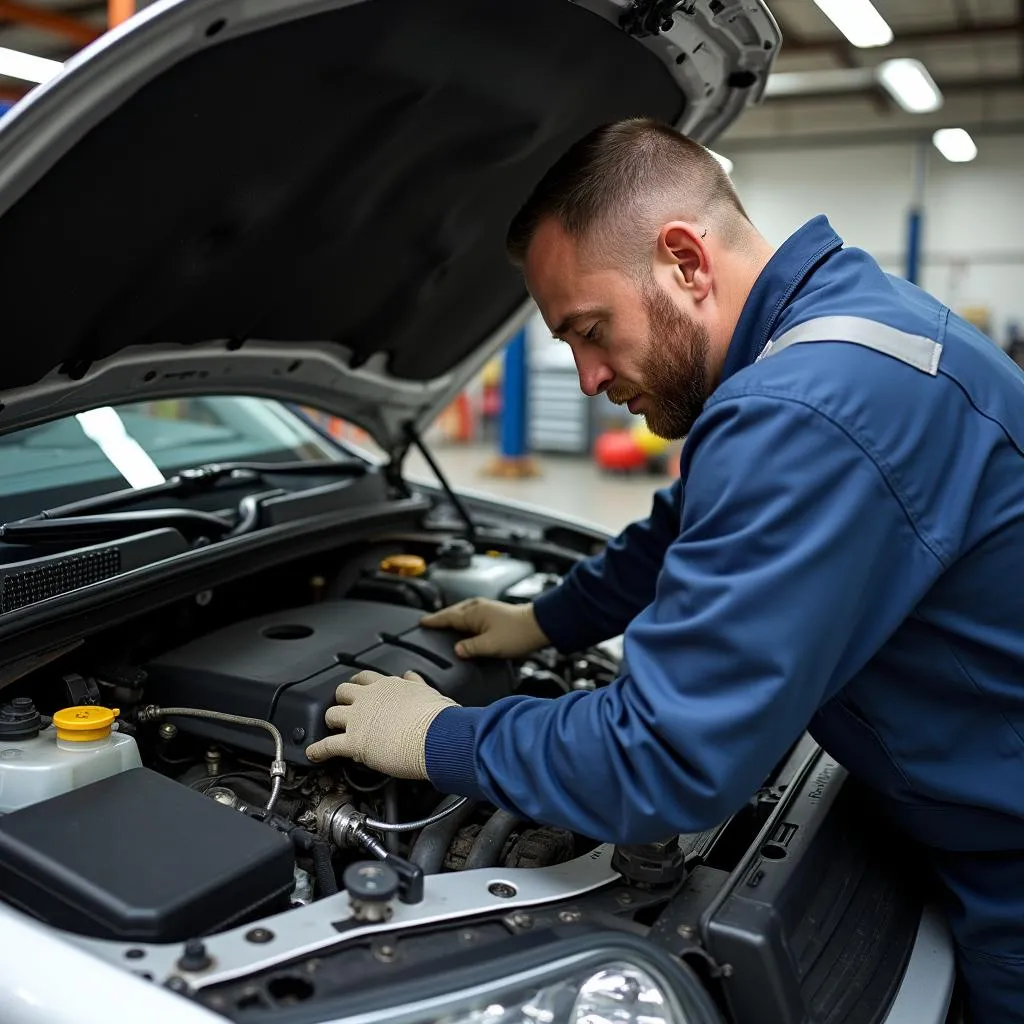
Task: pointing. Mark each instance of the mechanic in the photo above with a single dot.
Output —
(847, 559)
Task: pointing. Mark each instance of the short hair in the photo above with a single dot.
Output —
(620, 182)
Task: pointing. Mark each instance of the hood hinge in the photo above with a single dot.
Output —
(651, 17)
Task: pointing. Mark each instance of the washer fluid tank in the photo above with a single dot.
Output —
(461, 573)
(38, 762)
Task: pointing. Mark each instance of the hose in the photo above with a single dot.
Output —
(320, 851)
(432, 843)
(391, 840)
(277, 766)
(491, 840)
(411, 826)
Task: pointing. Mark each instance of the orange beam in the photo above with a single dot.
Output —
(60, 24)
(118, 11)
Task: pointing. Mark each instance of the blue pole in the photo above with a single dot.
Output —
(915, 219)
(514, 400)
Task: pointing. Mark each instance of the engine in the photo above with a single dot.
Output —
(224, 818)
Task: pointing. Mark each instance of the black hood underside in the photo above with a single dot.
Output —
(347, 177)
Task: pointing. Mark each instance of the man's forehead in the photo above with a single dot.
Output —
(553, 273)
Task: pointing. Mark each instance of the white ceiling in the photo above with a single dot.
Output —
(974, 49)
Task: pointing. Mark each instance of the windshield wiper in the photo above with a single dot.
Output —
(102, 526)
(197, 481)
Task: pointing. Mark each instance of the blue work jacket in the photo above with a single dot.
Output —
(848, 559)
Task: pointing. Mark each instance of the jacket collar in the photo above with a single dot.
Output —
(793, 262)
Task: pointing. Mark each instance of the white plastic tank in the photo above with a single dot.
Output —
(80, 747)
(461, 573)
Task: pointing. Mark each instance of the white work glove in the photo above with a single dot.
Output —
(384, 722)
(500, 630)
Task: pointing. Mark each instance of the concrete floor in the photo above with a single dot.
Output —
(567, 484)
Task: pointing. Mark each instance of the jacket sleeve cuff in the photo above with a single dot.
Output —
(560, 614)
(450, 751)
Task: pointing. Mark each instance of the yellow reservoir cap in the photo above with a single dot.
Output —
(404, 565)
(84, 723)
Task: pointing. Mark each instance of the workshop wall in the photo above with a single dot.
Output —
(973, 239)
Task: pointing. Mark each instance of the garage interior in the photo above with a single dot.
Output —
(834, 135)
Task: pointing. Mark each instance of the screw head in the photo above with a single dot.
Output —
(168, 731)
(569, 916)
(522, 920)
(259, 935)
(176, 984)
(727, 970)
(385, 954)
(298, 734)
(502, 890)
(685, 931)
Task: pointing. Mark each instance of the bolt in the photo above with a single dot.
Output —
(686, 931)
(176, 984)
(204, 597)
(385, 954)
(522, 920)
(625, 898)
(467, 936)
(168, 731)
(502, 890)
(195, 957)
(259, 935)
(134, 954)
(298, 734)
(569, 916)
(727, 970)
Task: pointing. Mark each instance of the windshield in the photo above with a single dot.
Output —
(143, 443)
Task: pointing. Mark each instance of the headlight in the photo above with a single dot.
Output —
(614, 993)
(600, 985)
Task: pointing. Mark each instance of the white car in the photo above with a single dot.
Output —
(221, 216)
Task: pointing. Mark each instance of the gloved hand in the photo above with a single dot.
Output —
(384, 722)
(500, 630)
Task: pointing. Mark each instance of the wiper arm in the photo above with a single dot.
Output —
(98, 527)
(197, 481)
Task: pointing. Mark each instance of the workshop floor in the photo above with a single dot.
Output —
(567, 484)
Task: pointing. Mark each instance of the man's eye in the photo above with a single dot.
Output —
(594, 333)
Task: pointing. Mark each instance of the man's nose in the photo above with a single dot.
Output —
(595, 376)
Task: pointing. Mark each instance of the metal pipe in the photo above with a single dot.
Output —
(412, 826)
(277, 767)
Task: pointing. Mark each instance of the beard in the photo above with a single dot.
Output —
(673, 367)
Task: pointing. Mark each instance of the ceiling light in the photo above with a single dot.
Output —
(726, 164)
(955, 144)
(858, 21)
(16, 64)
(910, 85)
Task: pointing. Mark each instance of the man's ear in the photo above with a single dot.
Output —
(682, 244)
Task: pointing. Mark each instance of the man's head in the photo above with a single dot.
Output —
(640, 256)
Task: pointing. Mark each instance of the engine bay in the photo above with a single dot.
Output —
(157, 807)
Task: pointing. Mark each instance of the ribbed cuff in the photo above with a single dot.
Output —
(559, 614)
(450, 751)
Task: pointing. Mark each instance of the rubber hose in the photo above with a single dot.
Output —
(323, 869)
(391, 839)
(432, 843)
(491, 840)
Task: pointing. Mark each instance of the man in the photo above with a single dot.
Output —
(847, 558)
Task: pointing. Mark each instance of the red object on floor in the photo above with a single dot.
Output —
(617, 450)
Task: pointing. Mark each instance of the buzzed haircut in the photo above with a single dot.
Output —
(620, 182)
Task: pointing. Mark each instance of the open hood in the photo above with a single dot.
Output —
(307, 199)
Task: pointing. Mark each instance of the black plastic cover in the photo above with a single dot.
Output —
(819, 919)
(139, 857)
(285, 668)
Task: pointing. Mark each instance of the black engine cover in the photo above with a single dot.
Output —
(285, 668)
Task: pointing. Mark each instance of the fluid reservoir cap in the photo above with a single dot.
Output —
(84, 723)
(20, 719)
(404, 565)
(456, 554)
(371, 881)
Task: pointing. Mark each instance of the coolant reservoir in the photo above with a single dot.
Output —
(461, 573)
(78, 748)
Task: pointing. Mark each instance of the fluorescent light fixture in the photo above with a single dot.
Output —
(726, 164)
(955, 144)
(910, 85)
(16, 64)
(858, 20)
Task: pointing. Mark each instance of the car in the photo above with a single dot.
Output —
(223, 226)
